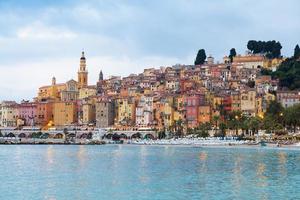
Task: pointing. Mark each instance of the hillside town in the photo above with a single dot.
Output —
(175, 99)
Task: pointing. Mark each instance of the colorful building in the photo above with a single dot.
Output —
(27, 113)
(44, 113)
(104, 113)
(9, 113)
(64, 113)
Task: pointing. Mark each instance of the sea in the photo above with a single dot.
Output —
(140, 172)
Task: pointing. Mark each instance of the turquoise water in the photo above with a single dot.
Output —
(147, 172)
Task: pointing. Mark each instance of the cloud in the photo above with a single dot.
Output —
(39, 40)
(38, 31)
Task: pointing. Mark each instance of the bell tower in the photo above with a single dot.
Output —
(82, 73)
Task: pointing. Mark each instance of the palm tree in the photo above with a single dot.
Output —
(223, 128)
(291, 116)
(179, 127)
(234, 121)
(245, 125)
(254, 125)
(216, 119)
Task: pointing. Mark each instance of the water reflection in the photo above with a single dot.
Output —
(262, 179)
(81, 155)
(169, 151)
(282, 158)
(49, 154)
(143, 175)
(260, 170)
(203, 156)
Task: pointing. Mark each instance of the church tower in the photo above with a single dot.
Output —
(82, 73)
(100, 76)
(99, 85)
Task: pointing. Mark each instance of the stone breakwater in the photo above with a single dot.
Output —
(191, 141)
(10, 141)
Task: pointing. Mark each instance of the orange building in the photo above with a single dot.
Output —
(204, 114)
(52, 91)
(44, 113)
(64, 113)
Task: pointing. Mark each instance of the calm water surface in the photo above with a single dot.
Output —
(147, 172)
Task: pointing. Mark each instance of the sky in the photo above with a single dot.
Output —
(42, 39)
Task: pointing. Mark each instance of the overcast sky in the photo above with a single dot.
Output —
(42, 39)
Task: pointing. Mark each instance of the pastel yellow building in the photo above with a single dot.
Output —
(64, 113)
(52, 91)
(272, 63)
(235, 101)
(87, 92)
(216, 101)
(168, 114)
(248, 102)
(259, 107)
(126, 111)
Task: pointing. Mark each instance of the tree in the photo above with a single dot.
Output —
(291, 116)
(215, 120)
(274, 110)
(234, 121)
(161, 134)
(297, 52)
(254, 125)
(202, 130)
(276, 51)
(270, 124)
(271, 49)
(232, 54)
(251, 45)
(288, 73)
(266, 72)
(177, 127)
(245, 125)
(222, 129)
(201, 56)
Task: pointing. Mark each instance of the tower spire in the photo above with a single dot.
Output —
(100, 76)
(82, 73)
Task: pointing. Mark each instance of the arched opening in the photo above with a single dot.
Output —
(123, 136)
(71, 135)
(45, 136)
(149, 136)
(89, 136)
(115, 137)
(109, 136)
(136, 136)
(83, 136)
(58, 136)
(36, 134)
(22, 135)
(10, 135)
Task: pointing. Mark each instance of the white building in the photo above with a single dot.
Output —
(144, 111)
(8, 114)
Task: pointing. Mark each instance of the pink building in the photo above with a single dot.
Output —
(215, 72)
(27, 112)
(192, 103)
